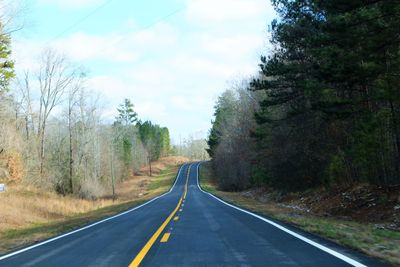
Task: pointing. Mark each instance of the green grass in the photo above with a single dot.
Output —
(367, 238)
(205, 179)
(17, 238)
(164, 180)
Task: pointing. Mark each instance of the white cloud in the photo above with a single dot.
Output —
(172, 72)
(151, 110)
(201, 66)
(83, 47)
(25, 53)
(111, 87)
(226, 46)
(113, 47)
(181, 102)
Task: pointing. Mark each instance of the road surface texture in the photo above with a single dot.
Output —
(186, 227)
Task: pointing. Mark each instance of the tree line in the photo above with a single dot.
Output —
(53, 133)
(325, 106)
(193, 147)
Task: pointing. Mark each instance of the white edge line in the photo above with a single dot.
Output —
(176, 180)
(305, 239)
(91, 225)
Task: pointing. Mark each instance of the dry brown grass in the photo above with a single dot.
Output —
(11, 167)
(143, 185)
(162, 164)
(23, 206)
(15, 166)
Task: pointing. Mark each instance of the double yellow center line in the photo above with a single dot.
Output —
(139, 257)
(186, 184)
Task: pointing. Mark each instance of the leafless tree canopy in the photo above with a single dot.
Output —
(52, 123)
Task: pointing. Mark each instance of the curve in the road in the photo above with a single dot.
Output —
(186, 227)
(90, 225)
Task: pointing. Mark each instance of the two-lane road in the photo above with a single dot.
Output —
(186, 227)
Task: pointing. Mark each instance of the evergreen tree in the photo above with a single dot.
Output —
(156, 139)
(6, 65)
(332, 105)
(224, 110)
(125, 129)
(127, 115)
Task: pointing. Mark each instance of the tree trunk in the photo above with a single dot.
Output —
(71, 160)
(396, 133)
(27, 127)
(112, 172)
(151, 174)
(41, 154)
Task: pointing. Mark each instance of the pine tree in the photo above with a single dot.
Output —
(332, 92)
(127, 116)
(6, 65)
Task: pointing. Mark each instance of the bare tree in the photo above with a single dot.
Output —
(73, 101)
(24, 101)
(234, 151)
(55, 76)
(12, 15)
(193, 147)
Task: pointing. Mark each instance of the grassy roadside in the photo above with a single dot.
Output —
(367, 238)
(12, 239)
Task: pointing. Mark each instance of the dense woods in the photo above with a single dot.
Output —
(325, 107)
(231, 145)
(53, 133)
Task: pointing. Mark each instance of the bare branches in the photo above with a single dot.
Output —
(55, 76)
(12, 16)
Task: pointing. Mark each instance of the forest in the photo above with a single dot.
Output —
(54, 135)
(324, 109)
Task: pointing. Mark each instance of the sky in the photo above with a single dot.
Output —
(171, 58)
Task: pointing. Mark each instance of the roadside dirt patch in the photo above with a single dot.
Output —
(362, 203)
(134, 187)
(162, 164)
(137, 185)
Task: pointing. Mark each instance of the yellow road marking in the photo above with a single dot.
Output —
(138, 259)
(186, 183)
(176, 218)
(165, 237)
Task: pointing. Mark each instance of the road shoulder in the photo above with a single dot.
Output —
(15, 239)
(378, 243)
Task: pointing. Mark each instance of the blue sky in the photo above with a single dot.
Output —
(173, 69)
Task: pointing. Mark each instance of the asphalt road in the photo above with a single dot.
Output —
(186, 227)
